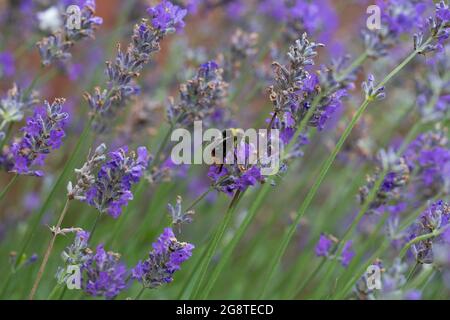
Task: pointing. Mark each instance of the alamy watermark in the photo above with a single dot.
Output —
(72, 277)
(373, 22)
(373, 277)
(73, 21)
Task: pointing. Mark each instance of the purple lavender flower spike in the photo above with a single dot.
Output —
(105, 274)
(164, 260)
(295, 91)
(102, 273)
(56, 46)
(398, 174)
(429, 157)
(398, 17)
(121, 73)
(112, 187)
(200, 98)
(43, 133)
(167, 16)
(439, 30)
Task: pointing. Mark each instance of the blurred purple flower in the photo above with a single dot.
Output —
(167, 15)
(7, 66)
(347, 254)
(324, 246)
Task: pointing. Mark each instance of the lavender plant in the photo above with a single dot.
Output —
(317, 229)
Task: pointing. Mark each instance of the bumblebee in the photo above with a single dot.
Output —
(236, 135)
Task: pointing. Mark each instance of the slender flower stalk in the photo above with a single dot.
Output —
(371, 95)
(48, 251)
(85, 179)
(211, 249)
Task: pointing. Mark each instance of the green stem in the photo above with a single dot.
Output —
(421, 238)
(54, 292)
(214, 243)
(358, 62)
(309, 197)
(63, 292)
(8, 186)
(236, 239)
(7, 136)
(199, 198)
(411, 272)
(94, 227)
(191, 277)
(140, 294)
(49, 250)
(56, 187)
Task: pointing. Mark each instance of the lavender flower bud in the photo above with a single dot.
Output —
(372, 92)
(179, 217)
(326, 244)
(163, 261)
(201, 98)
(397, 176)
(167, 16)
(74, 255)
(85, 176)
(434, 218)
(428, 156)
(105, 103)
(105, 274)
(112, 187)
(43, 132)
(398, 18)
(243, 46)
(439, 26)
